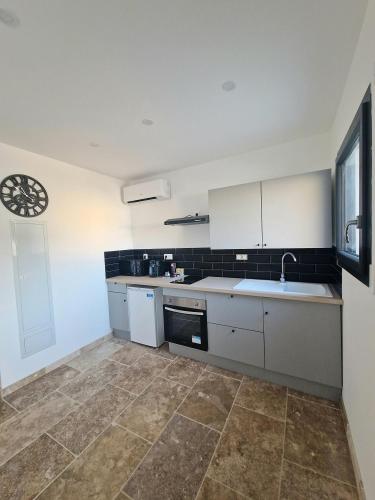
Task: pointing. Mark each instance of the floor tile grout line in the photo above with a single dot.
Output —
(122, 389)
(60, 444)
(219, 441)
(226, 376)
(154, 443)
(214, 374)
(56, 389)
(77, 406)
(134, 393)
(73, 461)
(132, 432)
(44, 432)
(97, 361)
(283, 448)
(145, 456)
(10, 404)
(123, 364)
(169, 380)
(137, 396)
(71, 399)
(145, 388)
(111, 383)
(189, 392)
(242, 495)
(280, 420)
(12, 417)
(34, 380)
(82, 406)
(197, 422)
(59, 366)
(314, 402)
(354, 486)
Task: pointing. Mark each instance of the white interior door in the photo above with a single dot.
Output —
(235, 216)
(33, 288)
(297, 212)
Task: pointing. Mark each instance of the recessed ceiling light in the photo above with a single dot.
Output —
(8, 18)
(228, 86)
(147, 121)
(94, 144)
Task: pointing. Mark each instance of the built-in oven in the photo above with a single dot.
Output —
(185, 322)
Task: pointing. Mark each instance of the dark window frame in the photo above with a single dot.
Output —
(361, 128)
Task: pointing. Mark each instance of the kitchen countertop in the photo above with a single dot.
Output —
(222, 285)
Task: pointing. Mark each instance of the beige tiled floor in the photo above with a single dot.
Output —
(127, 421)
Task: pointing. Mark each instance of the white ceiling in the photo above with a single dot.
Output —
(80, 71)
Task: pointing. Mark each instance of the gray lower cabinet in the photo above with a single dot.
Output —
(118, 311)
(237, 344)
(235, 310)
(303, 339)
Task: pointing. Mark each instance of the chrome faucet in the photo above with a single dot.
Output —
(282, 277)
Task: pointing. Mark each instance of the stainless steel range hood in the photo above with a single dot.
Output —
(188, 220)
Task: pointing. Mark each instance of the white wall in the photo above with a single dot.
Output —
(359, 300)
(85, 217)
(190, 189)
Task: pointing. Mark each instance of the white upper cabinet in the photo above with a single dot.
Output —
(297, 211)
(291, 212)
(235, 216)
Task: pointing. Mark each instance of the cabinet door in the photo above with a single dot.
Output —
(235, 216)
(303, 340)
(236, 344)
(297, 212)
(118, 311)
(235, 311)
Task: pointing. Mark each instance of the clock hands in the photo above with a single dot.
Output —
(20, 188)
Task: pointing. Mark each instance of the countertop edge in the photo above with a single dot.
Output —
(157, 282)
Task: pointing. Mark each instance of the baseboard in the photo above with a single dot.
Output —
(20, 383)
(320, 390)
(353, 455)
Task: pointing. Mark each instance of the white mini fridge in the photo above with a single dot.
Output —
(146, 315)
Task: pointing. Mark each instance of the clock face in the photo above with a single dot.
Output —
(22, 195)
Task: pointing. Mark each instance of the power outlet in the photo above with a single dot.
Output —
(145, 256)
(241, 256)
(168, 256)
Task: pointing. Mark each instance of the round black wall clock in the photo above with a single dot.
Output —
(23, 195)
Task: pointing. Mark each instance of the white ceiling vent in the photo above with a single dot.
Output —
(159, 189)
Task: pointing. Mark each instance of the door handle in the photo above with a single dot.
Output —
(180, 311)
(352, 222)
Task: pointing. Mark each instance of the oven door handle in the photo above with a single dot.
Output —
(179, 311)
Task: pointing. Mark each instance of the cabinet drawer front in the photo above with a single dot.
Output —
(235, 311)
(236, 344)
(116, 287)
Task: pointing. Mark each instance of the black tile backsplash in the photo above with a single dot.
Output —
(313, 264)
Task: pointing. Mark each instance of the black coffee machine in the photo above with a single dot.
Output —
(157, 268)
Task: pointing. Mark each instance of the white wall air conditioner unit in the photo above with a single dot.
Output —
(160, 189)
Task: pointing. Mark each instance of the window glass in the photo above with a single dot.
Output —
(351, 201)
